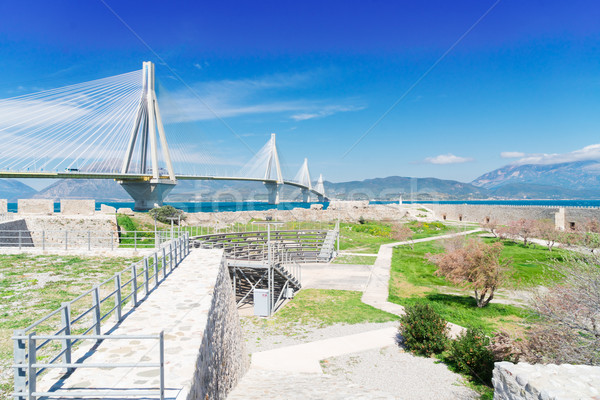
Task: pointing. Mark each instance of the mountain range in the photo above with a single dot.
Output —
(574, 180)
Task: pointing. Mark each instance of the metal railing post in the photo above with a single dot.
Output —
(146, 277)
(134, 286)
(20, 356)
(162, 364)
(65, 320)
(135, 240)
(118, 296)
(164, 262)
(171, 256)
(156, 268)
(96, 305)
(31, 370)
(19, 240)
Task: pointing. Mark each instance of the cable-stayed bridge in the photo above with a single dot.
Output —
(112, 128)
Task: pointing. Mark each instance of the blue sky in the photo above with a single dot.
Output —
(521, 85)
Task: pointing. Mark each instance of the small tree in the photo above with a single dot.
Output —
(589, 235)
(524, 228)
(423, 330)
(546, 230)
(163, 214)
(567, 327)
(403, 233)
(491, 226)
(477, 265)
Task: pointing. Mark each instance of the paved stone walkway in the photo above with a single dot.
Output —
(277, 385)
(304, 358)
(377, 291)
(179, 306)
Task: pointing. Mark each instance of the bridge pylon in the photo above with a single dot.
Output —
(305, 180)
(320, 189)
(149, 192)
(273, 185)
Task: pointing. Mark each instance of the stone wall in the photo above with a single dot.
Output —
(59, 231)
(15, 234)
(501, 214)
(3, 206)
(222, 359)
(545, 382)
(77, 207)
(35, 206)
(350, 212)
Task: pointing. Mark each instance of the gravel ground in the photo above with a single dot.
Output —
(389, 370)
(398, 372)
(261, 337)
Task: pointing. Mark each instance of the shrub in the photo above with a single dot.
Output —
(504, 348)
(470, 355)
(163, 214)
(125, 222)
(423, 329)
(566, 328)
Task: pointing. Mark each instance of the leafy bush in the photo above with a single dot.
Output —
(423, 330)
(125, 223)
(470, 355)
(163, 214)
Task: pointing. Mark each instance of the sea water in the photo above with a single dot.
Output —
(208, 206)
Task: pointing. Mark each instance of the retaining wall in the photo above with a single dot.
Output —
(3, 206)
(35, 206)
(15, 234)
(222, 358)
(545, 382)
(77, 207)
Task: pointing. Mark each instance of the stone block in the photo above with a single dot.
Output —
(3, 206)
(35, 206)
(316, 206)
(77, 207)
(126, 211)
(107, 209)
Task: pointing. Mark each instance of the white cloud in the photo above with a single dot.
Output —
(233, 98)
(591, 152)
(447, 159)
(512, 154)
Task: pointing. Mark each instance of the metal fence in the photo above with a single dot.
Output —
(82, 319)
(82, 239)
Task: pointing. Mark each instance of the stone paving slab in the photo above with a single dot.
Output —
(180, 307)
(304, 358)
(283, 385)
(335, 276)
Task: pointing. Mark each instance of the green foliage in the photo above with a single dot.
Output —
(427, 229)
(469, 354)
(373, 229)
(163, 214)
(362, 220)
(423, 330)
(125, 222)
(327, 307)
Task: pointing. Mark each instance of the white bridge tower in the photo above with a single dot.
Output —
(149, 191)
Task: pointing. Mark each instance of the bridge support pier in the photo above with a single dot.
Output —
(273, 189)
(148, 194)
(305, 195)
(320, 198)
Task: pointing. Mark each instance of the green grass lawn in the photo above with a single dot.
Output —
(33, 286)
(367, 237)
(413, 279)
(318, 307)
(348, 259)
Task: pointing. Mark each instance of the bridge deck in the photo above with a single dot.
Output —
(179, 306)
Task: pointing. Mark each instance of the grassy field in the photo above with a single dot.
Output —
(367, 237)
(317, 307)
(413, 279)
(32, 286)
(348, 259)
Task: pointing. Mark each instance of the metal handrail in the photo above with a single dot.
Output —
(26, 372)
(165, 258)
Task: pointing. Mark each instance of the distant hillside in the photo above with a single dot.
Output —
(12, 189)
(533, 191)
(392, 187)
(99, 189)
(579, 175)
